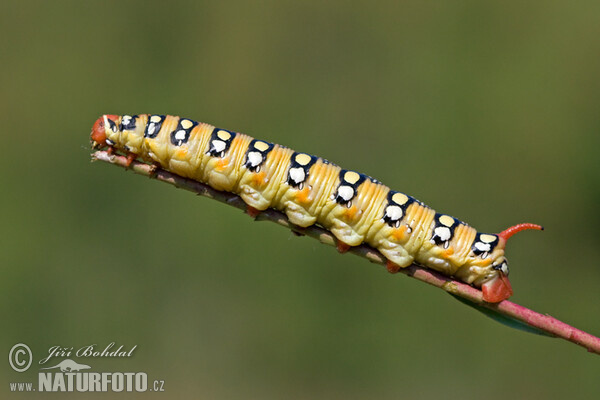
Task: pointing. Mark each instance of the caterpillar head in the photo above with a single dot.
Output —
(496, 286)
(98, 135)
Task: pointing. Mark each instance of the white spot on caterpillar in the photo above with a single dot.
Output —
(297, 175)
(394, 213)
(443, 233)
(218, 145)
(151, 128)
(254, 158)
(346, 192)
(483, 246)
(180, 135)
(109, 142)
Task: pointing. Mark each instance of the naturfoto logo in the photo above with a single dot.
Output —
(68, 375)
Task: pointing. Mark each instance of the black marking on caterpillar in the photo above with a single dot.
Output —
(298, 172)
(443, 232)
(349, 183)
(503, 266)
(256, 154)
(128, 122)
(484, 244)
(181, 134)
(112, 125)
(153, 126)
(395, 210)
(220, 141)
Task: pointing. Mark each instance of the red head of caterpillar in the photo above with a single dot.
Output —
(98, 135)
(354, 207)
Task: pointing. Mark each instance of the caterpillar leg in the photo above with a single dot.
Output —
(154, 167)
(392, 267)
(497, 289)
(130, 158)
(342, 247)
(253, 212)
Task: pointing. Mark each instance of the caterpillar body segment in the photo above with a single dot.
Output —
(264, 168)
(222, 165)
(390, 233)
(353, 207)
(308, 189)
(309, 182)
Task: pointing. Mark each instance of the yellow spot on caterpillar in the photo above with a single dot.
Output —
(302, 159)
(399, 234)
(222, 164)
(261, 146)
(181, 153)
(400, 198)
(186, 123)
(155, 118)
(303, 196)
(487, 238)
(259, 179)
(223, 135)
(447, 220)
(351, 177)
(447, 253)
(351, 212)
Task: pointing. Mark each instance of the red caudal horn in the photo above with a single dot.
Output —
(505, 234)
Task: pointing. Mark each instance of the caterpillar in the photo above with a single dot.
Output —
(354, 207)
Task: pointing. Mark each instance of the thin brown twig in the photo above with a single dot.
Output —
(512, 311)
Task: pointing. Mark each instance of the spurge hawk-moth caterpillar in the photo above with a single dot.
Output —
(311, 190)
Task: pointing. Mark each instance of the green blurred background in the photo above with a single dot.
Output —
(484, 110)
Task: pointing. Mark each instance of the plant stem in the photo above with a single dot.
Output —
(545, 323)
